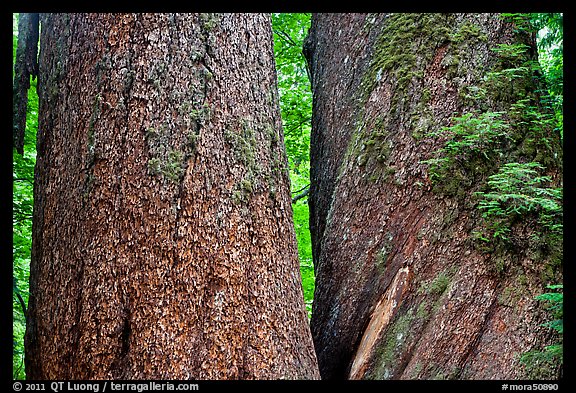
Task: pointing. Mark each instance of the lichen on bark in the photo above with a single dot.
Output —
(143, 265)
(411, 76)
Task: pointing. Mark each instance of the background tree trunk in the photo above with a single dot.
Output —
(26, 66)
(163, 246)
(402, 289)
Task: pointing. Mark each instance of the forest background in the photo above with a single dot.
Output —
(290, 30)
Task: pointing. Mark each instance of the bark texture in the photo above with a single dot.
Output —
(402, 290)
(163, 246)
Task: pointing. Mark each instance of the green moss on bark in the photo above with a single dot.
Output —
(406, 44)
(392, 344)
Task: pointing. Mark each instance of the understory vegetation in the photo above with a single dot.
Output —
(523, 188)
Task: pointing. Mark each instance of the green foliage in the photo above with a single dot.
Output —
(512, 76)
(543, 363)
(546, 202)
(296, 109)
(301, 214)
(403, 36)
(521, 21)
(551, 56)
(23, 201)
(470, 134)
(293, 85)
(513, 186)
(537, 125)
(301, 211)
(550, 40)
(473, 143)
(556, 308)
(511, 52)
(517, 190)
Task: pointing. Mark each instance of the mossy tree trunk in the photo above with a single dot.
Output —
(163, 246)
(405, 286)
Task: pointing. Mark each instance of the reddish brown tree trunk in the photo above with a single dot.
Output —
(402, 289)
(163, 244)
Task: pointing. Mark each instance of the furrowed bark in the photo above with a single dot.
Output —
(163, 244)
(403, 290)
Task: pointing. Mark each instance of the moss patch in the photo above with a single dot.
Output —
(372, 148)
(404, 35)
(166, 160)
(209, 20)
(172, 167)
(242, 142)
(438, 285)
(512, 294)
(468, 31)
(392, 344)
(382, 255)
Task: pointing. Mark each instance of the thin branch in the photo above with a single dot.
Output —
(17, 292)
(22, 305)
(303, 192)
(302, 189)
(297, 126)
(301, 195)
(16, 372)
(24, 179)
(21, 219)
(282, 34)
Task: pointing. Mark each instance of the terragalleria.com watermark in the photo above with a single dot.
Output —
(104, 386)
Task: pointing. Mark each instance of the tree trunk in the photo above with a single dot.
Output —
(163, 246)
(26, 66)
(404, 289)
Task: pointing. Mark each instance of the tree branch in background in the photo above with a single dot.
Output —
(20, 299)
(305, 191)
(24, 179)
(26, 66)
(22, 219)
(297, 126)
(286, 37)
